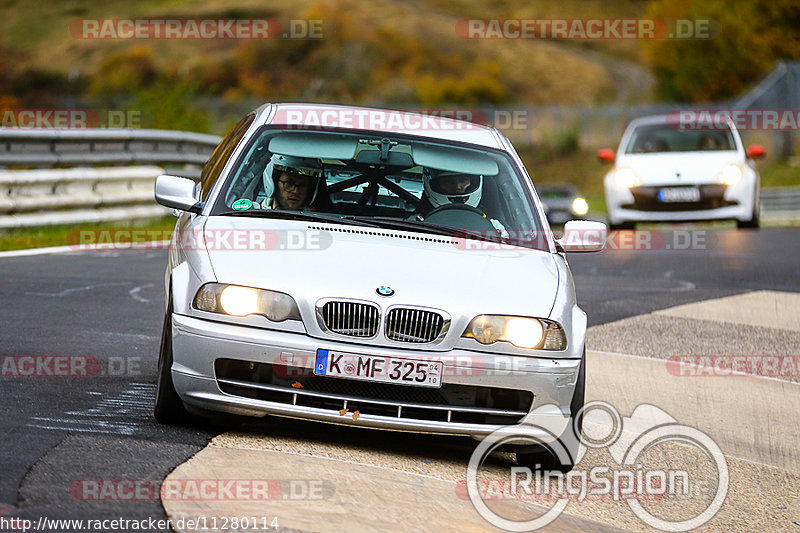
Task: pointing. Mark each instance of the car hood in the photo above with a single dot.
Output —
(677, 168)
(354, 261)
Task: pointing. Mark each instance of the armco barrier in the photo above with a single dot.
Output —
(86, 194)
(31, 147)
(74, 195)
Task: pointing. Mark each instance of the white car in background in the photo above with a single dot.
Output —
(665, 174)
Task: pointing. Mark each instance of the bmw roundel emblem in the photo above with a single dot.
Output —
(383, 290)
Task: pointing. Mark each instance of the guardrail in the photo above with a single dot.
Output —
(73, 147)
(780, 199)
(82, 195)
(780, 204)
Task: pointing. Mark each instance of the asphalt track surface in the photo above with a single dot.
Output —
(108, 306)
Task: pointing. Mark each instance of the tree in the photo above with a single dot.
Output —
(746, 41)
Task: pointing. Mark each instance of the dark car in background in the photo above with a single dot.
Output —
(562, 202)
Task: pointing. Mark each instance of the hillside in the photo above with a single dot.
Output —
(379, 53)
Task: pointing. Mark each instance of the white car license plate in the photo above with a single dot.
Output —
(379, 368)
(679, 194)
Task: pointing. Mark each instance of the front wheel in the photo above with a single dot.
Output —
(169, 408)
(753, 223)
(547, 457)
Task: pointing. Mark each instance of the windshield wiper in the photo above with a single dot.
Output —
(297, 215)
(426, 227)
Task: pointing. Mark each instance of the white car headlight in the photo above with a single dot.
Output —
(235, 300)
(625, 177)
(523, 332)
(580, 206)
(730, 175)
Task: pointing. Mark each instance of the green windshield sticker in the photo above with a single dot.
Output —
(241, 205)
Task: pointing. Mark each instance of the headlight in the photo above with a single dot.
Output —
(580, 206)
(730, 175)
(625, 177)
(235, 300)
(239, 301)
(532, 333)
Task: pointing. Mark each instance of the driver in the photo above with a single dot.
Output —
(291, 183)
(444, 187)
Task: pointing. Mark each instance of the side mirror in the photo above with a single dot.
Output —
(178, 193)
(583, 236)
(756, 151)
(606, 155)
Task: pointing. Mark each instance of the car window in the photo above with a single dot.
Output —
(655, 138)
(383, 179)
(221, 154)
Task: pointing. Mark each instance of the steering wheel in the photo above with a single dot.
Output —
(460, 216)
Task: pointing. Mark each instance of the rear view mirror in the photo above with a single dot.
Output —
(393, 159)
(583, 236)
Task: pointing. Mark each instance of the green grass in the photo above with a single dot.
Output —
(780, 174)
(68, 235)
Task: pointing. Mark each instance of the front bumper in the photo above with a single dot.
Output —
(641, 204)
(199, 345)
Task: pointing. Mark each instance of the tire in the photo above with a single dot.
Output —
(544, 457)
(753, 223)
(168, 408)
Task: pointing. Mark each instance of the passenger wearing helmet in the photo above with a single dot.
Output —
(291, 183)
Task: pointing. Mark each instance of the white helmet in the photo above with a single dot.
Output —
(293, 165)
(431, 183)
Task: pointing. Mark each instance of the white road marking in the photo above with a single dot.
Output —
(135, 293)
(67, 292)
(76, 248)
(122, 414)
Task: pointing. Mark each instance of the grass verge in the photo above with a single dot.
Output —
(67, 235)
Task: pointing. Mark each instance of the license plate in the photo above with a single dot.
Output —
(679, 194)
(379, 368)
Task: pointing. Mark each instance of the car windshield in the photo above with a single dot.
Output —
(657, 138)
(379, 180)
